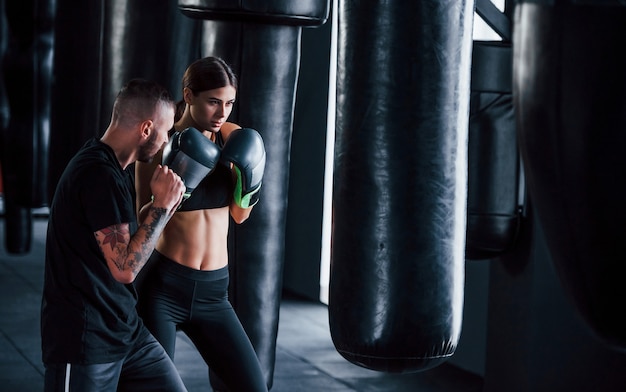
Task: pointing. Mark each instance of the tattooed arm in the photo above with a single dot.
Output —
(126, 255)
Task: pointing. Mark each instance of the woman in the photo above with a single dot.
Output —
(185, 285)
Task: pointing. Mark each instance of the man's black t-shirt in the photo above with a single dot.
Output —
(87, 316)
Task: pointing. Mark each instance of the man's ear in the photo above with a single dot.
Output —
(146, 128)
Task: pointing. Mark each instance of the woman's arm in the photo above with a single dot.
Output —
(238, 214)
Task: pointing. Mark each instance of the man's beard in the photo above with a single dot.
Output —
(148, 150)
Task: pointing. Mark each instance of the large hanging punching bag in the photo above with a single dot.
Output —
(4, 103)
(496, 192)
(569, 84)
(27, 77)
(261, 41)
(100, 46)
(77, 82)
(400, 185)
(160, 51)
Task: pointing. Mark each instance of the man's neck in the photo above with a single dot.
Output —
(119, 147)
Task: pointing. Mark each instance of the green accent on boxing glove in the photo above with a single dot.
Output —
(244, 200)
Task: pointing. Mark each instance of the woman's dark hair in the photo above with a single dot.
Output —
(207, 73)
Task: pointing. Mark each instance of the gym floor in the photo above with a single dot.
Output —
(306, 359)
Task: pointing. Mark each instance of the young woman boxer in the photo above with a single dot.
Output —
(185, 284)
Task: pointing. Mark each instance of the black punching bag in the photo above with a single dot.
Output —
(77, 86)
(4, 103)
(27, 76)
(400, 185)
(261, 41)
(100, 45)
(496, 192)
(570, 89)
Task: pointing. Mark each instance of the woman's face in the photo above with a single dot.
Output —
(210, 109)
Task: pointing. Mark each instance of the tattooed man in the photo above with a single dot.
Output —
(92, 337)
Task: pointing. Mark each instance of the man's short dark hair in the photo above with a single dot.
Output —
(138, 99)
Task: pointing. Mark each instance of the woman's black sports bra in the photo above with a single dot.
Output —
(215, 190)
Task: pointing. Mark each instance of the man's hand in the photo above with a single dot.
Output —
(167, 188)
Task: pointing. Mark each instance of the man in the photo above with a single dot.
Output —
(92, 337)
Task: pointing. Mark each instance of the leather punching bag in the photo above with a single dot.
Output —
(569, 84)
(4, 103)
(27, 78)
(496, 192)
(100, 45)
(261, 41)
(400, 185)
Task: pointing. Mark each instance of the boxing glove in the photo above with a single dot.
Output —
(246, 151)
(192, 156)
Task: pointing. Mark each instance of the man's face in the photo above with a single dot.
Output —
(163, 122)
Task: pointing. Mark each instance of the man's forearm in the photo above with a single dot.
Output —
(143, 242)
(126, 255)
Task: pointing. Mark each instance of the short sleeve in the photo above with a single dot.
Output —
(107, 197)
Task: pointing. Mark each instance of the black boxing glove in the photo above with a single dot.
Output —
(246, 151)
(192, 156)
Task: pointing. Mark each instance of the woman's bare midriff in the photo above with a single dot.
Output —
(205, 247)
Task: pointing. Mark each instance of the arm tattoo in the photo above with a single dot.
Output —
(139, 257)
(157, 216)
(125, 256)
(114, 236)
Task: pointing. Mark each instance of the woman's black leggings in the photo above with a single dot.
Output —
(172, 296)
